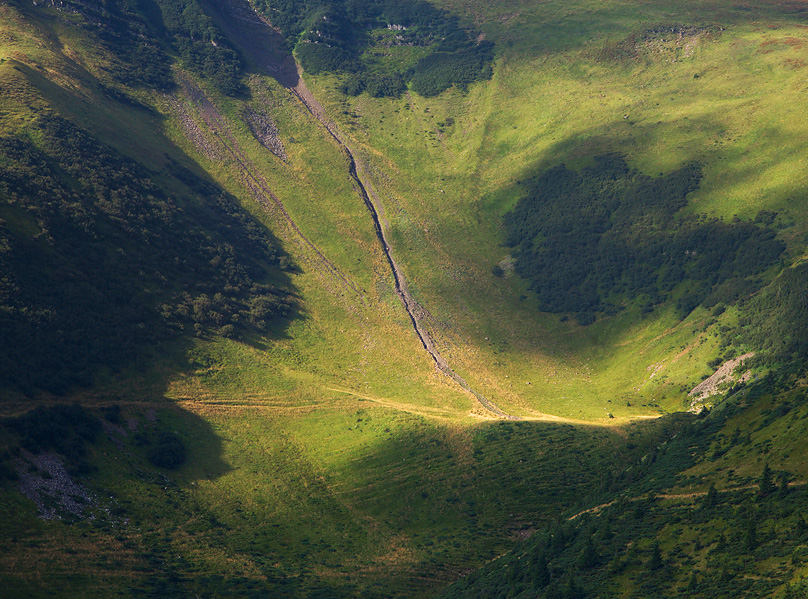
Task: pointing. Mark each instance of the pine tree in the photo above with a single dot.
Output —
(711, 499)
(516, 570)
(605, 533)
(588, 558)
(783, 490)
(802, 526)
(750, 536)
(571, 589)
(655, 563)
(539, 570)
(766, 485)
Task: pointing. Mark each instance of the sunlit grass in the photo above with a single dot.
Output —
(724, 98)
(335, 447)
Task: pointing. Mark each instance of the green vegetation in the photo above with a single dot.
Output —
(66, 429)
(382, 45)
(200, 45)
(243, 420)
(773, 320)
(243, 499)
(707, 551)
(138, 58)
(596, 240)
(168, 451)
(142, 35)
(99, 262)
(748, 539)
(439, 71)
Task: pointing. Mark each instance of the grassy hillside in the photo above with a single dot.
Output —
(568, 103)
(716, 512)
(208, 375)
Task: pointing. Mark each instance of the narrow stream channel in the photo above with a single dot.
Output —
(256, 39)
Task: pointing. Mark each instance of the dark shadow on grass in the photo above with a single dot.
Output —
(258, 41)
(467, 499)
(131, 257)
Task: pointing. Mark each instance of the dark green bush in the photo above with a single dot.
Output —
(320, 58)
(353, 85)
(385, 86)
(439, 71)
(594, 240)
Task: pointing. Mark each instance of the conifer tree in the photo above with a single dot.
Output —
(783, 490)
(588, 558)
(766, 485)
(655, 563)
(516, 570)
(750, 535)
(802, 526)
(711, 499)
(540, 573)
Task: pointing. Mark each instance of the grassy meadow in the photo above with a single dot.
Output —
(329, 457)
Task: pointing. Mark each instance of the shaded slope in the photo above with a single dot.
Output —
(100, 261)
(606, 237)
(716, 511)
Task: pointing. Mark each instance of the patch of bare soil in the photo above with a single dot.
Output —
(671, 43)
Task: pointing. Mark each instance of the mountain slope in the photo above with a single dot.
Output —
(197, 248)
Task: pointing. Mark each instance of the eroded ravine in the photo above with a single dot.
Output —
(261, 44)
(410, 305)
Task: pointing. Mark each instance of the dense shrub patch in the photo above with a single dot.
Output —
(97, 260)
(335, 36)
(144, 35)
(595, 240)
(439, 71)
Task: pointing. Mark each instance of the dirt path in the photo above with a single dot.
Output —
(400, 406)
(263, 45)
(691, 495)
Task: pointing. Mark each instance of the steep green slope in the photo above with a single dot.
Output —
(717, 511)
(100, 262)
(679, 95)
(212, 287)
